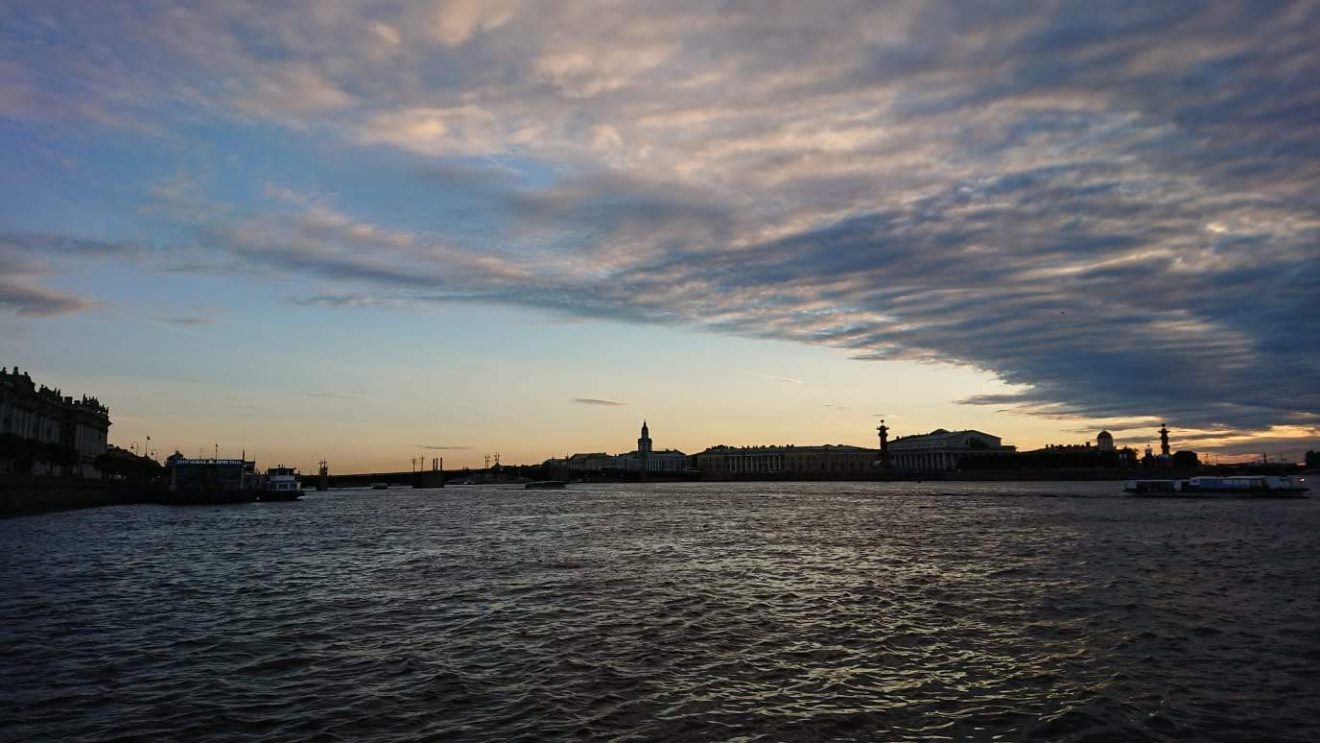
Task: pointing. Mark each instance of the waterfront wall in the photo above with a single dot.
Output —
(26, 495)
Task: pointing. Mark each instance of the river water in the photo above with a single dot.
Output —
(784, 611)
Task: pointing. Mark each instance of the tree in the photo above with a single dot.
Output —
(1185, 460)
(131, 468)
(1313, 460)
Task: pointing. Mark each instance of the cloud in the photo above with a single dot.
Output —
(185, 321)
(785, 380)
(36, 301)
(24, 260)
(597, 401)
(296, 91)
(454, 22)
(1112, 209)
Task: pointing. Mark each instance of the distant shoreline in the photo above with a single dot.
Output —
(36, 495)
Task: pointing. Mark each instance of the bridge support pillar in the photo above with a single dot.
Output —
(429, 479)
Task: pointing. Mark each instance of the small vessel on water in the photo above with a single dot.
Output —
(545, 485)
(281, 484)
(1237, 486)
(201, 482)
(380, 486)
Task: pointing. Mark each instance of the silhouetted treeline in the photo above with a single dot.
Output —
(130, 468)
(1040, 461)
(23, 453)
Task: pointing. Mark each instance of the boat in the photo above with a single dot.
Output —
(1236, 486)
(280, 484)
(205, 482)
(545, 485)
(380, 486)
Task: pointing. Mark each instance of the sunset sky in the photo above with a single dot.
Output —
(368, 232)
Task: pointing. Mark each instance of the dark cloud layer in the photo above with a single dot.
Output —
(1111, 205)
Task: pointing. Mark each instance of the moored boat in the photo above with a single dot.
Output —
(545, 485)
(1237, 486)
(281, 484)
(204, 482)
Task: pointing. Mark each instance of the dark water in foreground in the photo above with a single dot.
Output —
(692, 612)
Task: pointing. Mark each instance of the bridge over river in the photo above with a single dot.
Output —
(424, 479)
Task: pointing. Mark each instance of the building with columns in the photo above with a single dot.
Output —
(60, 434)
(941, 450)
(814, 462)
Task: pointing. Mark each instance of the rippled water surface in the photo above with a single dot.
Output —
(694, 612)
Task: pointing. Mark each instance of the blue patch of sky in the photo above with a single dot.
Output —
(96, 182)
(464, 199)
(77, 181)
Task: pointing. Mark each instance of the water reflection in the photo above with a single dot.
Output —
(681, 611)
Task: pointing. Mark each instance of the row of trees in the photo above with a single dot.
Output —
(1061, 460)
(124, 466)
(1049, 460)
(20, 455)
(23, 453)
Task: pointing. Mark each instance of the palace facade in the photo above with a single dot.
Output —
(47, 432)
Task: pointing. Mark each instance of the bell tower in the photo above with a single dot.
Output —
(644, 443)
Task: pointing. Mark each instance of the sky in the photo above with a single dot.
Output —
(376, 232)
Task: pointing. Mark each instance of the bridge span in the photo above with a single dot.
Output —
(424, 479)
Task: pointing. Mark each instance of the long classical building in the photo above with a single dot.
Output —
(831, 460)
(941, 450)
(53, 421)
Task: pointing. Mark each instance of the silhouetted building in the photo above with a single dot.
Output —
(830, 460)
(646, 459)
(941, 450)
(587, 462)
(1104, 441)
(1100, 455)
(47, 431)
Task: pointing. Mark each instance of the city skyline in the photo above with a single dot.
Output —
(371, 232)
(427, 457)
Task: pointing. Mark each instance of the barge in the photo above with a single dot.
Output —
(1238, 486)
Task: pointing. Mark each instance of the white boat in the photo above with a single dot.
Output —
(281, 483)
(1237, 486)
